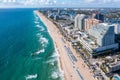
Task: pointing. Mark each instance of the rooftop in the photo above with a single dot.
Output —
(115, 64)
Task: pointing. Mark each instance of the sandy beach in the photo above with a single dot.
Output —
(66, 64)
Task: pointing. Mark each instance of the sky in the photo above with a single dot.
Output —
(59, 3)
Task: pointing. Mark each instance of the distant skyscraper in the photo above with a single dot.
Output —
(98, 16)
(79, 21)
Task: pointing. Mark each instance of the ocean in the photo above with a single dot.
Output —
(27, 50)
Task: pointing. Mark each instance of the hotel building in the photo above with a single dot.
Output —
(100, 38)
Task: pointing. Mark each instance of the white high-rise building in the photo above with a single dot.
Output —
(101, 38)
(117, 28)
(103, 33)
(79, 21)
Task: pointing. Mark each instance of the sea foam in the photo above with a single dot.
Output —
(38, 26)
(38, 34)
(37, 22)
(44, 41)
(41, 28)
(54, 57)
(52, 61)
(28, 77)
(55, 74)
(40, 51)
(61, 72)
(58, 73)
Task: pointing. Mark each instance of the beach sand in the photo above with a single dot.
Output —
(70, 72)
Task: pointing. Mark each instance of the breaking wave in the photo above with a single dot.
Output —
(36, 22)
(52, 61)
(40, 51)
(44, 41)
(55, 75)
(61, 72)
(40, 27)
(56, 71)
(36, 18)
(38, 34)
(28, 77)
(54, 57)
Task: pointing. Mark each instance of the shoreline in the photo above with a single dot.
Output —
(65, 63)
(59, 63)
(61, 75)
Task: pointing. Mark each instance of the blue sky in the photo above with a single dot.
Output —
(60, 3)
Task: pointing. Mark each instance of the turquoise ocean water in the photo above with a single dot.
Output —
(26, 49)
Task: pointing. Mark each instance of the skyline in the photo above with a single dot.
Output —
(59, 3)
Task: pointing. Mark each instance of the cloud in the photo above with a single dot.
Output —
(101, 1)
(89, 1)
(61, 2)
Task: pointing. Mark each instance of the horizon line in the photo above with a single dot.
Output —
(7, 7)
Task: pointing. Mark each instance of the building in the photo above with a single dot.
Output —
(79, 21)
(114, 66)
(117, 33)
(98, 16)
(90, 22)
(103, 33)
(100, 39)
(117, 28)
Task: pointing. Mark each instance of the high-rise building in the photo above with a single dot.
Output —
(90, 22)
(103, 33)
(79, 21)
(98, 16)
(99, 39)
(114, 66)
(117, 28)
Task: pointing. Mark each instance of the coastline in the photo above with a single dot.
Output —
(64, 60)
(61, 75)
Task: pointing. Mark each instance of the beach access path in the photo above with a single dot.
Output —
(76, 71)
